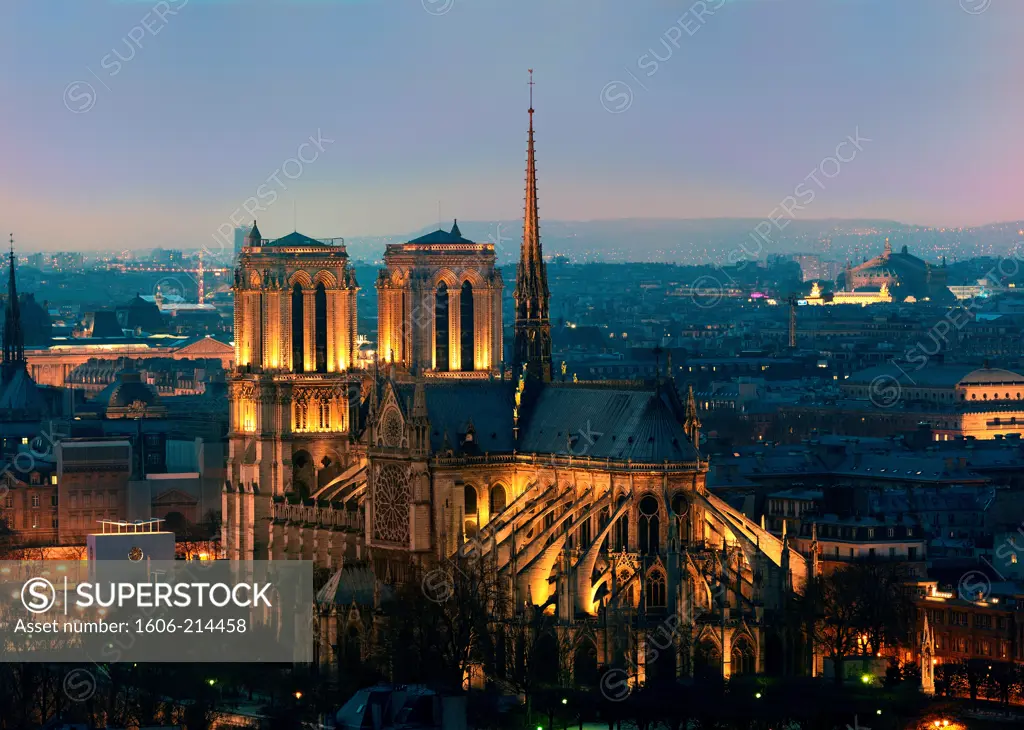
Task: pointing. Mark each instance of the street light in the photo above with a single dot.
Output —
(298, 695)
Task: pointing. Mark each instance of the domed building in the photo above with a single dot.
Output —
(902, 274)
(129, 397)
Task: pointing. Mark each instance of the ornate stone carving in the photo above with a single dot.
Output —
(391, 504)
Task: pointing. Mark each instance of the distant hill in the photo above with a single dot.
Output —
(719, 241)
(713, 240)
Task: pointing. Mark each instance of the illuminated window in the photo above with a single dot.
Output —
(53, 479)
(24, 441)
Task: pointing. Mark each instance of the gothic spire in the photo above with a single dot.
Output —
(254, 237)
(14, 338)
(692, 423)
(532, 344)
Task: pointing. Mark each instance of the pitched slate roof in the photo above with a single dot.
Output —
(296, 239)
(440, 236)
(352, 584)
(22, 394)
(452, 405)
(616, 423)
(557, 419)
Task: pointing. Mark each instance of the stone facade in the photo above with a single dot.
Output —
(439, 305)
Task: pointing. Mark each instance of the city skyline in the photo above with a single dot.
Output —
(165, 151)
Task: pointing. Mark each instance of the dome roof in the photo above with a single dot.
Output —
(992, 376)
(127, 390)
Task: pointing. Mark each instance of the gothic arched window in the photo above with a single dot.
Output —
(298, 331)
(441, 328)
(656, 592)
(497, 499)
(466, 328)
(648, 524)
(320, 327)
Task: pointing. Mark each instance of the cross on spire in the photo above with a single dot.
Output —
(530, 84)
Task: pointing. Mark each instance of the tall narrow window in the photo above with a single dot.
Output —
(298, 331)
(441, 328)
(649, 526)
(320, 328)
(466, 331)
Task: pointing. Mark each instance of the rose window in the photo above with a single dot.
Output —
(392, 429)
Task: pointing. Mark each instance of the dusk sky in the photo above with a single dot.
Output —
(426, 102)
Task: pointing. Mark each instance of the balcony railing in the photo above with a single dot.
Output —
(320, 516)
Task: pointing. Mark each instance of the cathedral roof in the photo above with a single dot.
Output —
(557, 419)
(637, 424)
(352, 584)
(296, 239)
(452, 405)
(22, 394)
(441, 236)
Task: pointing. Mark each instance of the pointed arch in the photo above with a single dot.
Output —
(473, 276)
(743, 659)
(656, 588)
(446, 277)
(584, 663)
(649, 524)
(499, 498)
(325, 277)
(300, 278)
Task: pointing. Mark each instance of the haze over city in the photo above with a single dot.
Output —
(424, 104)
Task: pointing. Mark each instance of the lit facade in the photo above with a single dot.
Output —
(439, 305)
(292, 399)
(590, 498)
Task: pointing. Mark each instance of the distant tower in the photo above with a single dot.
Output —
(532, 345)
(14, 338)
(199, 275)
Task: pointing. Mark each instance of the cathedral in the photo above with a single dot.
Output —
(589, 497)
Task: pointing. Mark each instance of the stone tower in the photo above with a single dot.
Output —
(439, 303)
(293, 401)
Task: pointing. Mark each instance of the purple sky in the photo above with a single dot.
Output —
(426, 102)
